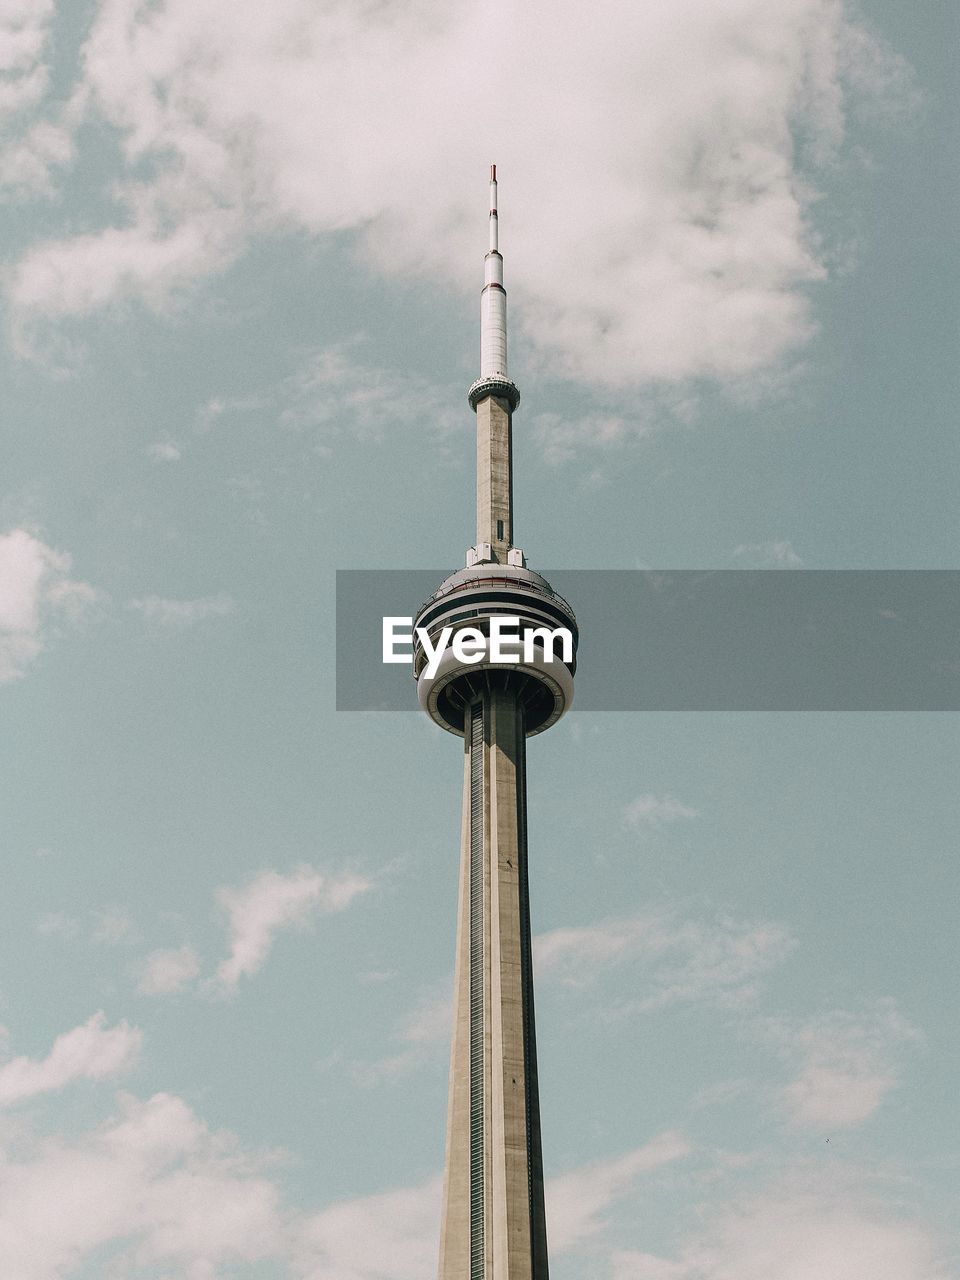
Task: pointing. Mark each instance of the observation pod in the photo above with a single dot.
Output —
(541, 681)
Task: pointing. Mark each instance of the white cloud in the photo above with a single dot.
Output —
(35, 590)
(392, 1236)
(576, 1201)
(166, 972)
(335, 391)
(29, 150)
(157, 1192)
(718, 960)
(57, 924)
(562, 437)
(847, 1064)
(112, 926)
(23, 35)
(153, 1184)
(798, 1235)
(656, 204)
(336, 385)
(656, 811)
(272, 901)
(92, 1051)
(165, 450)
(161, 1191)
(182, 613)
(769, 555)
(428, 1027)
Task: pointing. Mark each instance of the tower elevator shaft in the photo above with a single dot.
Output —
(493, 1225)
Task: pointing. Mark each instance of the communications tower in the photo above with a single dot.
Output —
(493, 1225)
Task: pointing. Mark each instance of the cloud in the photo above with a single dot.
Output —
(92, 1051)
(424, 1030)
(656, 200)
(112, 926)
(35, 591)
(182, 613)
(577, 1200)
(336, 385)
(166, 972)
(847, 1064)
(391, 1236)
(152, 1183)
(336, 391)
(271, 902)
(57, 924)
(797, 1234)
(23, 36)
(769, 555)
(561, 436)
(28, 150)
(718, 960)
(165, 450)
(154, 1191)
(163, 1193)
(656, 811)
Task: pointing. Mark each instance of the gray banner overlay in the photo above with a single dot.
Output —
(726, 640)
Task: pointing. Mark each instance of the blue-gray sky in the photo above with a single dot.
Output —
(242, 251)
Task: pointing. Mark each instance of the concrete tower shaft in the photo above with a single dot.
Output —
(493, 1225)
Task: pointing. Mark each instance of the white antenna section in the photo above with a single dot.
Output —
(494, 379)
(493, 300)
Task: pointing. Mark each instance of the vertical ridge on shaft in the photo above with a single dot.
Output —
(477, 1074)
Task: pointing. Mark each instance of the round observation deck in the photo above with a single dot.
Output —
(532, 662)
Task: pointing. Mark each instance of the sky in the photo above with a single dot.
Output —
(241, 258)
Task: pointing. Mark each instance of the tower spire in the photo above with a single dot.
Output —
(493, 303)
(494, 397)
(494, 379)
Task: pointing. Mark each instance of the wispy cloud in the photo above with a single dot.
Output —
(421, 1032)
(846, 1063)
(562, 437)
(798, 1234)
(165, 450)
(392, 1235)
(152, 1183)
(656, 811)
(31, 146)
(577, 1201)
(336, 389)
(112, 926)
(336, 392)
(182, 613)
(57, 924)
(163, 1193)
(271, 902)
(166, 972)
(36, 592)
(92, 1051)
(768, 555)
(718, 960)
(697, 271)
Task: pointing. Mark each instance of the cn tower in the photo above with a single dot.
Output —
(493, 1225)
